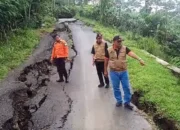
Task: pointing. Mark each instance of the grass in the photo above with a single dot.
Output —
(48, 24)
(148, 44)
(18, 47)
(46, 30)
(159, 85)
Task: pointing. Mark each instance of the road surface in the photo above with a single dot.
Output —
(79, 105)
(94, 108)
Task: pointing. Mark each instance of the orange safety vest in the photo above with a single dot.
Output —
(60, 50)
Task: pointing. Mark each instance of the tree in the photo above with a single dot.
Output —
(20, 13)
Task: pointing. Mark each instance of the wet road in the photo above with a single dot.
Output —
(79, 105)
(94, 108)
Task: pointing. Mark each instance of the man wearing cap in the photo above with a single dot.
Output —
(98, 51)
(116, 58)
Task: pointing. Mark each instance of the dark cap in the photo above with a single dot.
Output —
(99, 35)
(118, 38)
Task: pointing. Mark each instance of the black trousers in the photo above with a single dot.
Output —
(100, 72)
(61, 68)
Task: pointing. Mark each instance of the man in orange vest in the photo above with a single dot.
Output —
(116, 57)
(59, 56)
(98, 51)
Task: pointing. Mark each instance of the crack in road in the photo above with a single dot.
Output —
(22, 109)
(33, 78)
(70, 101)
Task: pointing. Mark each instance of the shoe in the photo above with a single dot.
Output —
(118, 104)
(107, 86)
(67, 81)
(129, 106)
(101, 85)
(60, 80)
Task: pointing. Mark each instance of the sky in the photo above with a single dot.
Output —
(154, 7)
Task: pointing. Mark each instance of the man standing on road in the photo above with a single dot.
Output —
(116, 57)
(59, 56)
(98, 51)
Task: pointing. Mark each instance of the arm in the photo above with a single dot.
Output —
(133, 55)
(106, 61)
(93, 60)
(106, 48)
(93, 53)
(52, 54)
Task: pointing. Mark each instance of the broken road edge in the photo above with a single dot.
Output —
(40, 73)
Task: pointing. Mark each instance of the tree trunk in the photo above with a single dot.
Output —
(29, 12)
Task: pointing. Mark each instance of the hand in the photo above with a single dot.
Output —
(68, 59)
(142, 62)
(51, 61)
(106, 73)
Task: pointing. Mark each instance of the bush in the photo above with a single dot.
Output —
(65, 12)
(176, 61)
(90, 12)
(151, 45)
(141, 29)
(18, 47)
(48, 21)
(158, 85)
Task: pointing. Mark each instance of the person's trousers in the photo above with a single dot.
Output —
(100, 72)
(122, 77)
(61, 68)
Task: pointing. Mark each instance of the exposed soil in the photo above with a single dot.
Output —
(34, 77)
(64, 118)
(150, 108)
(38, 73)
(70, 101)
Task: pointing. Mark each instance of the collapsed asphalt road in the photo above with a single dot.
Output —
(31, 99)
(93, 107)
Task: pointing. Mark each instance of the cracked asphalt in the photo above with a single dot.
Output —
(79, 105)
(93, 107)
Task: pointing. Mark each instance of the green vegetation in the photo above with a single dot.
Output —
(17, 14)
(143, 43)
(65, 12)
(19, 29)
(154, 26)
(16, 49)
(157, 83)
(151, 29)
(156, 30)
